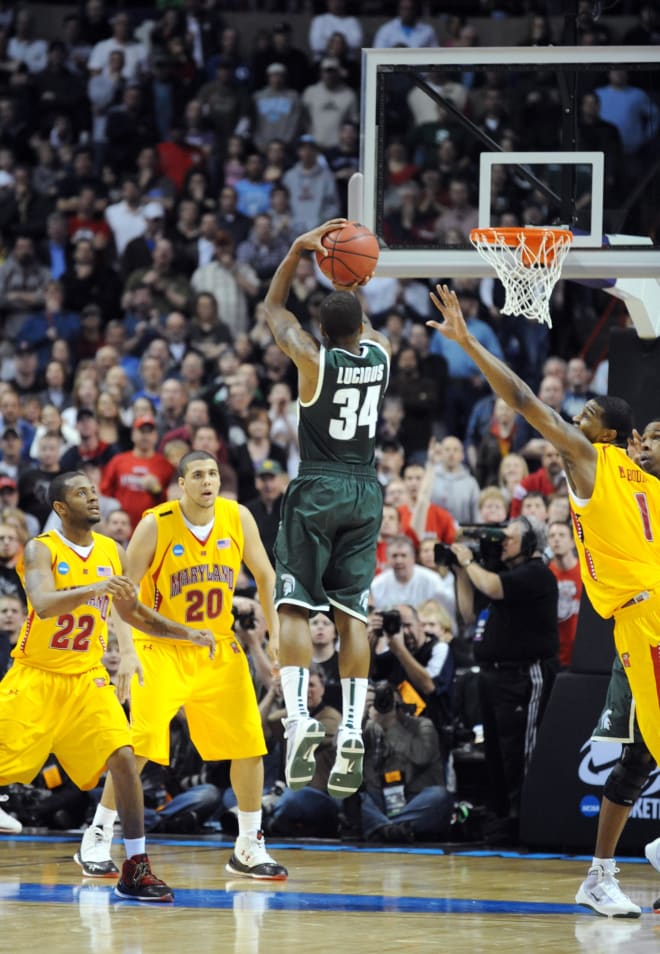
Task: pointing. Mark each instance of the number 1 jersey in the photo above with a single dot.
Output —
(339, 423)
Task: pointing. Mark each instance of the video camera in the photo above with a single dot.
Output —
(484, 539)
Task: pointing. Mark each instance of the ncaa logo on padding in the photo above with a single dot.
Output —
(177, 549)
(63, 568)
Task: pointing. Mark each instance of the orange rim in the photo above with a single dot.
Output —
(536, 242)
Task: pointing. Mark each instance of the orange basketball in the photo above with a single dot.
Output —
(352, 254)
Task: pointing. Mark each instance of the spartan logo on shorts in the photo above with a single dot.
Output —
(288, 584)
(364, 600)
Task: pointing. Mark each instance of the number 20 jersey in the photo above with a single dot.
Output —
(73, 642)
(339, 423)
(190, 580)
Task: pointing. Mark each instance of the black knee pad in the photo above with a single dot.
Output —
(627, 778)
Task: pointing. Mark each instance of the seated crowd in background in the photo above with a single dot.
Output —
(152, 174)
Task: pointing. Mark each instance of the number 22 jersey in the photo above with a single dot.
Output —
(71, 642)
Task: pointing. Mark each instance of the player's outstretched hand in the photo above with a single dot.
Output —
(203, 637)
(446, 302)
(129, 666)
(312, 241)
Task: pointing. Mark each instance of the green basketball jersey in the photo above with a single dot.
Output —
(339, 423)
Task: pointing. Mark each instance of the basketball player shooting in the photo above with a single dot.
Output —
(325, 549)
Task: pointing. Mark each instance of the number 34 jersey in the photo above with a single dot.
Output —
(339, 423)
(72, 642)
(191, 580)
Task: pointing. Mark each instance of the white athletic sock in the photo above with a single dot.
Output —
(607, 864)
(295, 682)
(105, 817)
(354, 698)
(135, 846)
(249, 823)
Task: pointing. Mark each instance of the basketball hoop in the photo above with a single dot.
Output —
(528, 262)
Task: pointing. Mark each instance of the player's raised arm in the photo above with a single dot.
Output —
(300, 346)
(579, 455)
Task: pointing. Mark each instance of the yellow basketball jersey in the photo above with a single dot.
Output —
(617, 532)
(73, 642)
(190, 580)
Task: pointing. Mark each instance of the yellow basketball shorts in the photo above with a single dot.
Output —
(217, 695)
(76, 717)
(637, 640)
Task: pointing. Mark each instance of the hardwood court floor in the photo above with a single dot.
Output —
(338, 900)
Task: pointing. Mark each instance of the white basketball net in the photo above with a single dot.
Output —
(527, 273)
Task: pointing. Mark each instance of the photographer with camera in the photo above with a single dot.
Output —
(404, 796)
(410, 657)
(252, 633)
(515, 645)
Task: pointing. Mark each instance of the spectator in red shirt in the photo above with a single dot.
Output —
(566, 568)
(549, 479)
(420, 515)
(138, 478)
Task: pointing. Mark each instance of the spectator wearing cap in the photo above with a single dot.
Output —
(23, 281)
(334, 20)
(266, 506)
(9, 498)
(11, 446)
(138, 478)
(11, 420)
(138, 253)
(406, 29)
(276, 109)
(280, 50)
(135, 54)
(329, 103)
(42, 328)
(312, 191)
(26, 379)
(89, 446)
